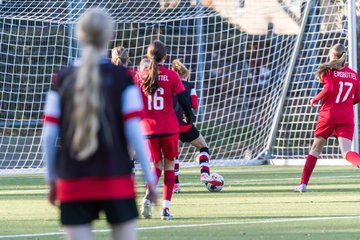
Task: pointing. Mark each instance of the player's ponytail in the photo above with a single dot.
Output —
(151, 83)
(156, 53)
(180, 68)
(94, 30)
(340, 51)
(120, 56)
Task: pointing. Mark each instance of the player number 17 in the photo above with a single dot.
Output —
(341, 83)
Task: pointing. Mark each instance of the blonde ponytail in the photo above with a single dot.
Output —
(94, 31)
(86, 105)
(120, 56)
(180, 68)
(337, 64)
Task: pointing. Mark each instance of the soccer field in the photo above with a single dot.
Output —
(257, 202)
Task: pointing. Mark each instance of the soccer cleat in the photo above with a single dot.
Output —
(166, 215)
(176, 188)
(204, 178)
(146, 210)
(300, 188)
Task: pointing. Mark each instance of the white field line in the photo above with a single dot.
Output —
(194, 225)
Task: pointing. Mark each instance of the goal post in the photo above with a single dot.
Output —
(288, 77)
(353, 62)
(252, 65)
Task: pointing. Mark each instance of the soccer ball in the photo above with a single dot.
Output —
(215, 187)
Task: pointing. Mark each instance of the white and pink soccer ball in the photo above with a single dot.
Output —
(215, 187)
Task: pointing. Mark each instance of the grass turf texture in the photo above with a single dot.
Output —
(257, 202)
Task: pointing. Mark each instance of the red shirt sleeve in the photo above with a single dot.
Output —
(327, 89)
(194, 99)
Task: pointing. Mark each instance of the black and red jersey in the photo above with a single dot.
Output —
(99, 176)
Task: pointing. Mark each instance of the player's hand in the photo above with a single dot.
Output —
(184, 119)
(52, 193)
(312, 103)
(152, 193)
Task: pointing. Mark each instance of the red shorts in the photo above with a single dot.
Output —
(168, 145)
(325, 129)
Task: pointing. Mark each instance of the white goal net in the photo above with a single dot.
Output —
(240, 54)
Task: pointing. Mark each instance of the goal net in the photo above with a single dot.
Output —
(244, 56)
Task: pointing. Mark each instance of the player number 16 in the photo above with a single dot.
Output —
(156, 102)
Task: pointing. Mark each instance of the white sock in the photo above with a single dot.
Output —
(166, 204)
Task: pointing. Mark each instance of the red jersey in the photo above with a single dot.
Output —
(160, 117)
(341, 91)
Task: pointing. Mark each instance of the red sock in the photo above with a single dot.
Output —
(169, 178)
(354, 158)
(308, 168)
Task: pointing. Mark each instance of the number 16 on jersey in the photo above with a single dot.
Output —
(156, 102)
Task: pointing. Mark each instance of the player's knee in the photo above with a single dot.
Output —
(169, 164)
(318, 145)
(159, 165)
(315, 147)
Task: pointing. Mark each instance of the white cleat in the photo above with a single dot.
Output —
(204, 178)
(146, 210)
(176, 188)
(301, 188)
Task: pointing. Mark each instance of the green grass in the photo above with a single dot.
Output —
(257, 202)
